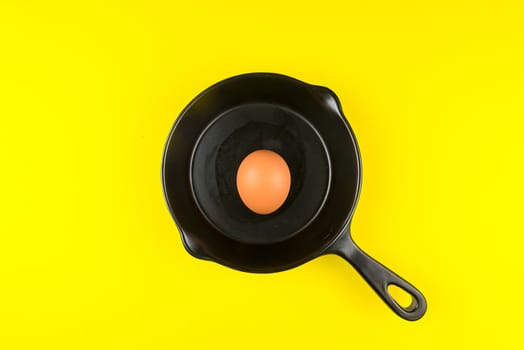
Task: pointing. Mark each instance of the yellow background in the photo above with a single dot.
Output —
(90, 257)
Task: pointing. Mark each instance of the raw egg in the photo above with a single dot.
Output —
(263, 181)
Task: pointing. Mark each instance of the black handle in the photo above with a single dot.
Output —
(380, 277)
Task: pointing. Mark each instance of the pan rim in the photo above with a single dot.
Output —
(323, 248)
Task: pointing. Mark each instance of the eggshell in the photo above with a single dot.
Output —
(263, 181)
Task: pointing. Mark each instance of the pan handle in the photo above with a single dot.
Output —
(380, 277)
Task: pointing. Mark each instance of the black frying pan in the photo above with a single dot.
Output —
(305, 125)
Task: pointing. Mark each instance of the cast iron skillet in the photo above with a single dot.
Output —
(305, 125)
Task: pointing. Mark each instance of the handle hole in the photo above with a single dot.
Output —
(403, 298)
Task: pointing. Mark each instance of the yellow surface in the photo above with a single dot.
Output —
(90, 258)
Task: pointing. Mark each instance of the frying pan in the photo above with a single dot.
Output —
(304, 124)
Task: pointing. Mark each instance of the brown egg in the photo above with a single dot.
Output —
(263, 181)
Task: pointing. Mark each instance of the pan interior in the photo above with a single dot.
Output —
(228, 140)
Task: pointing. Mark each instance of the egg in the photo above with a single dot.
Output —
(263, 181)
